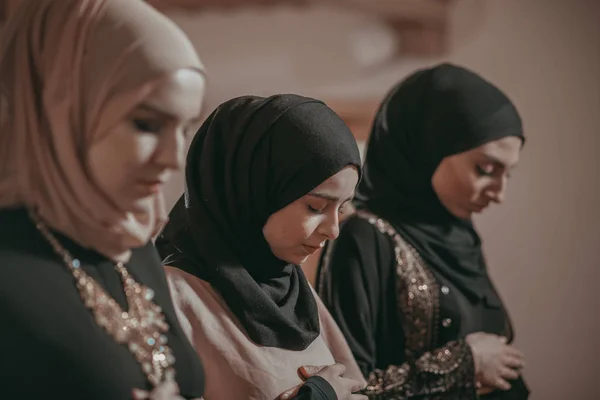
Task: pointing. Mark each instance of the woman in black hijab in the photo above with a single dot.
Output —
(406, 280)
(265, 180)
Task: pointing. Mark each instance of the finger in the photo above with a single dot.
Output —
(513, 362)
(509, 373)
(355, 385)
(503, 339)
(138, 394)
(307, 371)
(166, 390)
(513, 351)
(502, 384)
(484, 390)
(333, 370)
(337, 368)
(288, 394)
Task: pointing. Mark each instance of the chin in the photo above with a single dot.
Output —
(294, 259)
(302, 260)
(462, 214)
(140, 205)
(297, 260)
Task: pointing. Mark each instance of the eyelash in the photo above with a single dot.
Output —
(315, 211)
(147, 126)
(483, 172)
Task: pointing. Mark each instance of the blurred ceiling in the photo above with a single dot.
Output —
(420, 24)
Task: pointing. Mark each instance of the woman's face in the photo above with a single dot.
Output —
(302, 227)
(133, 162)
(467, 182)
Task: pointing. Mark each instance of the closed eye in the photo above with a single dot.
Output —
(485, 171)
(147, 125)
(315, 210)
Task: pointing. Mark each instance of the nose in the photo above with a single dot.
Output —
(330, 228)
(170, 152)
(496, 193)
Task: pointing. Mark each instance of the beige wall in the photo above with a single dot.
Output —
(543, 245)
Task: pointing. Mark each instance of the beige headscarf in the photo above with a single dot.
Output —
(70, 70)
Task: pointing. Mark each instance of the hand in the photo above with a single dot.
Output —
(166, 391)
(343, 387)
(483, 390)
(495, 361)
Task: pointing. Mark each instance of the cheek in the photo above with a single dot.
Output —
(290, 230)
(310, 225)
(295, 232)
(120, 155)
(140, 147)
(476, 187)
(464, 186)
(117, 162)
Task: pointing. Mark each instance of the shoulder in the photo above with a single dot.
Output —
(181, 281)
(28, 270)
(188, 290)
(364, 235)
(360, 245)
(361, 228)
(199, 307)
(145, 261)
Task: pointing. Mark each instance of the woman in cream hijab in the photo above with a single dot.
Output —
(96, 98)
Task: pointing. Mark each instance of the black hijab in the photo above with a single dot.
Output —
(432, 114)
(252, 157)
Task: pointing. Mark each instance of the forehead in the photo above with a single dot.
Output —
(340, 185)
(180, 94)
(506, 150)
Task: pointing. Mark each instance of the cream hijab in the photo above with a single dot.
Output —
(70, 70)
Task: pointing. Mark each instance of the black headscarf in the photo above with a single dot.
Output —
(252, 157)
(432, 114)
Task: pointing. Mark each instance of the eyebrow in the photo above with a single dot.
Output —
(151, 108)
(497, 161)
(329, 197)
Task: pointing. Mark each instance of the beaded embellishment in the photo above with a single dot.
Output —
(142, 328)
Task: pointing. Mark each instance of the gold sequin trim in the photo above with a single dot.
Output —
(418, 292)
(427, 373)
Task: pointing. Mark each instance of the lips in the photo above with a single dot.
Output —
(151, 187)
(152, 182)
(479, 207)
(313, 249)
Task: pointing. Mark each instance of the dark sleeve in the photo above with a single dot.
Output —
(316, 388)
(447, 372)
(352, 284)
